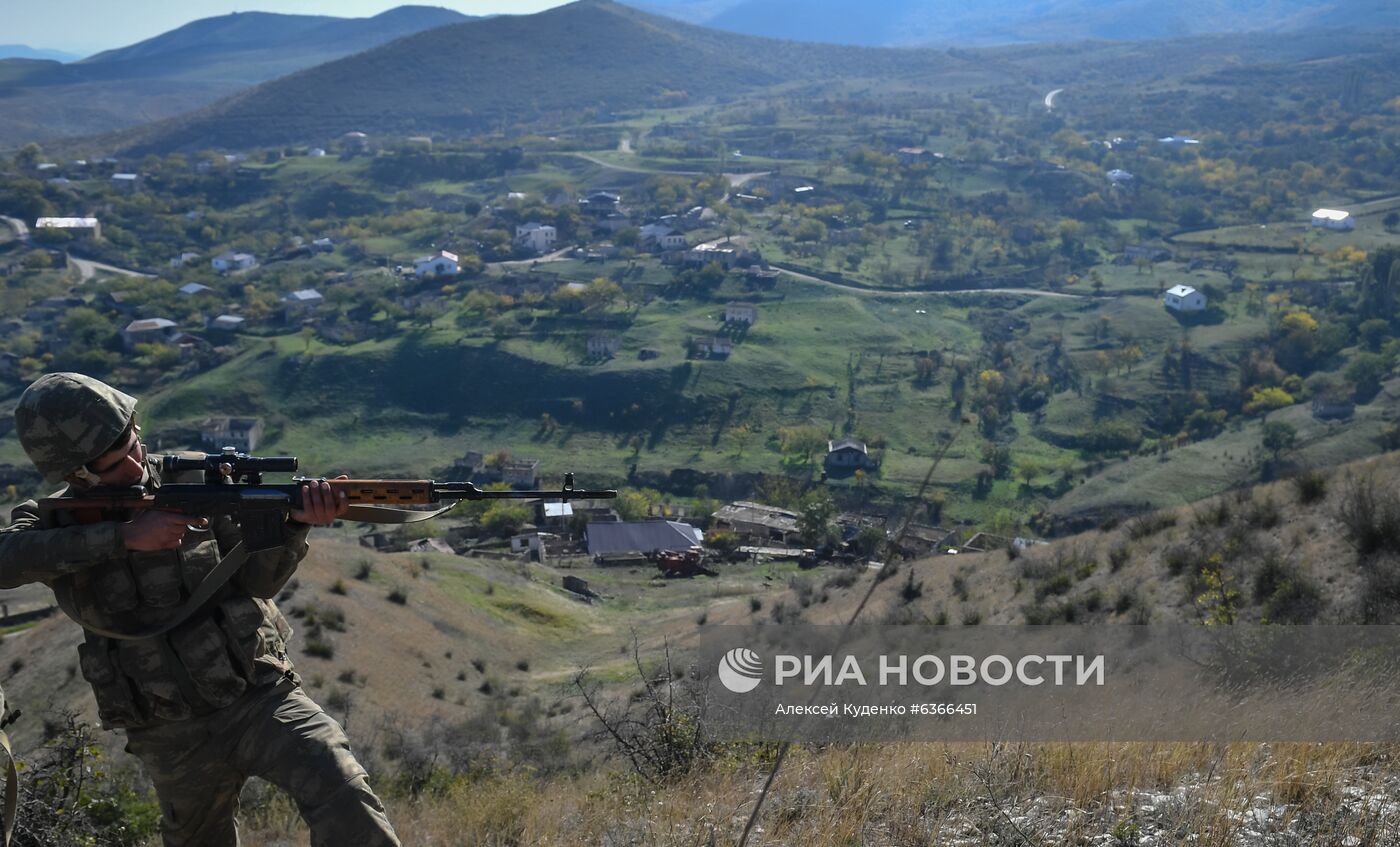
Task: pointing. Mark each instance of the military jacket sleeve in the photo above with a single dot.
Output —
(31, 554)
(264, 574)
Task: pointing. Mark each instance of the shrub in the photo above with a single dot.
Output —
(365, 570)
(320, 648)
(755, 604)
(1310, 486)
(911, 590)
(1263, 514)
(1287, 596)
(1371, 514)
(338, 587)
(1118, 557)
(1144, 526)
(844, 578)
(398, 595)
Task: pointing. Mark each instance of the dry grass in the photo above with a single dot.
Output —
(927, 794)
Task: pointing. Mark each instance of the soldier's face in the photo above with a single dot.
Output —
(124, 464)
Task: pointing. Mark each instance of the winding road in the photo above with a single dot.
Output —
(735, 180)
(1050, 98)
(20, 227)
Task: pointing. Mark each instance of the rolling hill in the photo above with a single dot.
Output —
(185, 68)
(484, 74)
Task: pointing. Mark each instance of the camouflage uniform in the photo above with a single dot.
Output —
(214, 700)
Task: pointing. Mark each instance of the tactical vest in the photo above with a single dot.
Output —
(208, 661)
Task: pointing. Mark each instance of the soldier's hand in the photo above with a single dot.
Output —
(156, 530)
(320, 505)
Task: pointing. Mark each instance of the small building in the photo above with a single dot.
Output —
(193, 288)
(1333, 219)
(324, 245)
(1178, 141)
(758, 521)
(536, 237)
(1145, 252)
(1334, 405)
(603, 345)
(1118, 176)
(184, 259)
(521, 473)
(473, 463)
(75, 227)
(727, 257)
(600, 203)
(227, 323)
(1184, 298)
(147, 331)
(298, 304)
(662, 238)
(443, 264)
(740, 313)
(243, 434)
(640, 536)
(230, 262)
(713, 347)
(316, 152)
(355, 141)
(913, 155)
(845, 453)
(126, 182)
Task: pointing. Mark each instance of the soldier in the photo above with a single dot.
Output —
(213, 700)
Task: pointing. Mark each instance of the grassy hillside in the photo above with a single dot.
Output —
(185, 68)
(592, 55)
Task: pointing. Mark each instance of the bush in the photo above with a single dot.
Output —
(398, 596)
(1118, 557)
(1144, 526)
(1310, 486)
(1287, 596)
(844, 578)
(320, 648)
(1371, 514)
(69, 797)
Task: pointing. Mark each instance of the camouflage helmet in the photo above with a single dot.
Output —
(65, 420)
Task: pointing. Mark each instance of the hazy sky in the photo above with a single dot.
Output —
(87, 26)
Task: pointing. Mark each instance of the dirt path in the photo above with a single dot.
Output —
(87, 269)
(875, 292)
(1050, 98)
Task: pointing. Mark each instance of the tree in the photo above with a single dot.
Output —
(815, 518)
(1277, 437)
(1028, 470)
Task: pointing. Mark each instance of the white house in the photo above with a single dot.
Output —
(183, 259)
(443, 264)
(325, 245)
(193, 288)
(1333, 219)
(1184, 298)
(1178, 141)
(662, 237)
(1118, 176)
(603, 345)
(227, 323)
(316, 152)
(226, 262)
(848, 453)
(147, 330)
(535, 236)
(298, 303)
(126, 182)
(740, 313)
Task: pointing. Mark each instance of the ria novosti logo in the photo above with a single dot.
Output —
(740, 670)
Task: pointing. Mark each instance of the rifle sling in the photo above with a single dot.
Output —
(227, 567)
(386, 514)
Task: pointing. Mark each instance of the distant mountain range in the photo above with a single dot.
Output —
(947, 23)
(185, 68)
(24, 51)
(494, 72)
